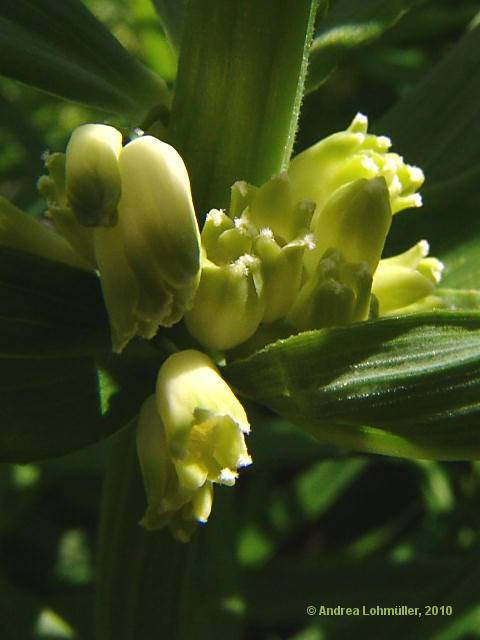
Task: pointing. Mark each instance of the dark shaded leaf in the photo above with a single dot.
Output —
(446, 147)
(49, 309)
(53, 335)
(348, 25)
(60, 47)
(50, 407)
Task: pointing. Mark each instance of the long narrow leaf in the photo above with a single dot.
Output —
(60, 47)
(407, 386)
(60, 389)
(53, 406)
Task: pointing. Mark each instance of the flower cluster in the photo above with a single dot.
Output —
(127, 212)
(303, 250)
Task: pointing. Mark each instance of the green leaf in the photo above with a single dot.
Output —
(348, 25)
(238, 92)
(53, 398)
(53, 406)
(171, 14)
(49, 309)
(46, 407)
(406, 386)
(60, 47)
(16, 603)
(446, 148)
(281, 445)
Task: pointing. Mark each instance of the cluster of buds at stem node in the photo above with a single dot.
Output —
(303, 250)
(252, 264)
(190, 436)
(127, 212)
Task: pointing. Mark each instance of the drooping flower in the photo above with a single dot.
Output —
(150, 261)
(190, 436)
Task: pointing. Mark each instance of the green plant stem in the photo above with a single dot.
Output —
(240, 80)
(139, 573)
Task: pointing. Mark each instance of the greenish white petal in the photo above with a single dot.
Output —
(159, 228)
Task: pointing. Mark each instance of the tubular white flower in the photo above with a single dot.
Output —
(159, 228)
(193, 398)
(190, 436)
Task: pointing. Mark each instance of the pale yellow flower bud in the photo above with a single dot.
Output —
(93, 183)
(355, 220)
(228, 305)
(224, 239)
(337, 293)
(273, 207)
(282, 270)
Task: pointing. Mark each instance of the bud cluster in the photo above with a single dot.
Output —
(351, 154)
(301, 251)
(128, 211)
(252, 263)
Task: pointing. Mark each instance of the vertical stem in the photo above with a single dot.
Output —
(140, 573)
(239, 86)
